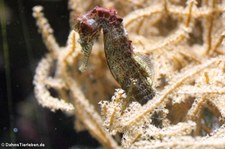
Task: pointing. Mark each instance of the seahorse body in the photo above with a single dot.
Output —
(130, 71)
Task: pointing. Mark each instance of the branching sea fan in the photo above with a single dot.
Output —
(169, 86)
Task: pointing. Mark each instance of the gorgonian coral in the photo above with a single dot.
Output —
(184, 42)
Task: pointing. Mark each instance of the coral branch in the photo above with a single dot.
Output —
(87, 114)
(184, 67)
(41, 92)
(151, 105)
(46, 30)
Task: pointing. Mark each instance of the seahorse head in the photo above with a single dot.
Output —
(88, 26)
(89, 30)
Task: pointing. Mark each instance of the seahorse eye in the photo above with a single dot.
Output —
(85, 28)
(91, 22)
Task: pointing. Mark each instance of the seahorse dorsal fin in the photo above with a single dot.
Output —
(146, 62)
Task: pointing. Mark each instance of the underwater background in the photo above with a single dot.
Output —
(21, 47)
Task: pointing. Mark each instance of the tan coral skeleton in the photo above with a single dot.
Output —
(189, 78)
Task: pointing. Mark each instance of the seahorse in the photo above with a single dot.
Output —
(130, 71)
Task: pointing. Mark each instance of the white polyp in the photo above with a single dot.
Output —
(83, 67)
